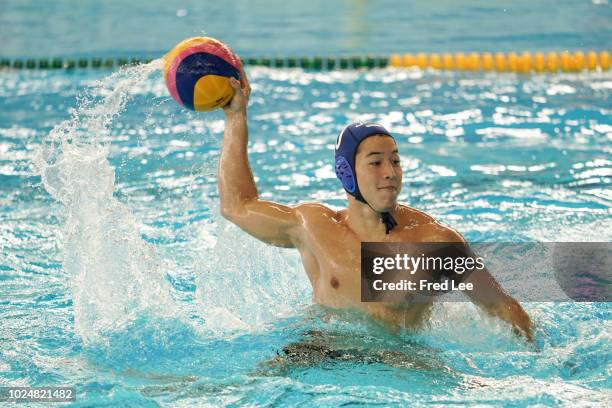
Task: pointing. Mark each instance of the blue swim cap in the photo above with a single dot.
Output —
(346, 149)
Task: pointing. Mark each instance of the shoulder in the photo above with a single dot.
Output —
(314, 219)
(309, 210)
(414, 217)
(429, 229)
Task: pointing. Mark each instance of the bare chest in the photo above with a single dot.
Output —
(332, 263)
(332, 259)
(331, 254)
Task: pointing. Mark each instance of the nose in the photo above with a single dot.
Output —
(389, 172)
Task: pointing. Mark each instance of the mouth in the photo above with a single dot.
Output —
(388, 188)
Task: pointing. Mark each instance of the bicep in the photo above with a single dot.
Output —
(269, 222)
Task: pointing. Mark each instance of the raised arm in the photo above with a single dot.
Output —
(270, 222)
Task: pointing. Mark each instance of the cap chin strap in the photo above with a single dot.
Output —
(389, 221)
(385, 217)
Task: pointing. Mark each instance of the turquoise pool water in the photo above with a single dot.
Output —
(72, 28)
(118, 276)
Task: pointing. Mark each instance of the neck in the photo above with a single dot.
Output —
(366, 222)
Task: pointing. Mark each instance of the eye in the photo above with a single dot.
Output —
(376, 163)
(396, 162)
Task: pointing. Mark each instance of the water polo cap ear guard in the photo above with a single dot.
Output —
(346, 149)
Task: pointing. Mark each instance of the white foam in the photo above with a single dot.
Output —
(116, 277)
(243, 285)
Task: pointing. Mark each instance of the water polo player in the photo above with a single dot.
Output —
(329, 242)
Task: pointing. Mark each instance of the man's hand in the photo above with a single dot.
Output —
(242, 91)
(512, 312)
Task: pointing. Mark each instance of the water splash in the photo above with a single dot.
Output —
(245, 285)
(116, 277)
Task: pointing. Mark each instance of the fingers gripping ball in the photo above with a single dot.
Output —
(197, 72)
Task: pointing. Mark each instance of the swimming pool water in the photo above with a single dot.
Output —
(71, 28)
(119, 276)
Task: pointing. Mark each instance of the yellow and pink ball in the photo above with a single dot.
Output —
(197, 72)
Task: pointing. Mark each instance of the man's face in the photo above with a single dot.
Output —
(378, 171)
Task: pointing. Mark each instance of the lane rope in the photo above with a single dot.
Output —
(525, 62)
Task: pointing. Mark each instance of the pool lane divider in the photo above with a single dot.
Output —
(525, 62)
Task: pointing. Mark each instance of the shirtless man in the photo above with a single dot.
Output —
(329, 241)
